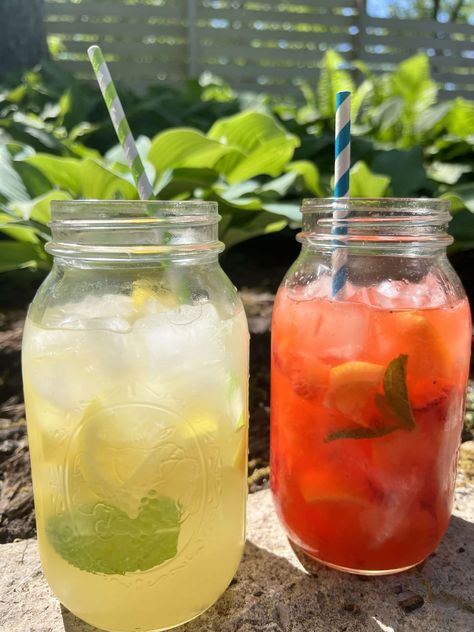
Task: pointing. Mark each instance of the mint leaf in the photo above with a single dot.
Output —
(106, 540)
(394, 406)
(359, 433)
(395, 403)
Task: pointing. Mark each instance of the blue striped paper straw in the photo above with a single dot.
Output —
(341, 190)
(120, 123)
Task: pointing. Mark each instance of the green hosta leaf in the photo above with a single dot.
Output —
(106, 540)
(270, 159)
(175, 182)
(100, 183)
(431, 117)
(39, 208)
(333, 78)
(395, 402)
(15, 255)
(405, 169)
(461, 119)
(35, 182)
(11, 184)
(264, 146)
(63, 173)
(287, 209)
(239, 224)
(388, 113)
(447, 172)
(309, 174)
(186, 148)
(465, 192)
(412, 80)
(19, 151)
(17, 229)
(364, 183)
(279, 186)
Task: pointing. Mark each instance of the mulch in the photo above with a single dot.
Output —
(256, 269)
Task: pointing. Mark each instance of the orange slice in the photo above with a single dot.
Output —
(415, 335)
(352, 388)
(332, 485)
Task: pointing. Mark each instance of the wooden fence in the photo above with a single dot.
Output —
(264, 45)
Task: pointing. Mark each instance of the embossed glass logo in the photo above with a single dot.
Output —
(134, 476)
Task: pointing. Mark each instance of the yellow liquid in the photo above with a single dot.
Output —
(139, 475)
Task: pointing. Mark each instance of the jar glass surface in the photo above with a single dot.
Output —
(368, 385)
(135, 368)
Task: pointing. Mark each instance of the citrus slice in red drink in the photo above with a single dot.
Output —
(415, 336)
(352, 388)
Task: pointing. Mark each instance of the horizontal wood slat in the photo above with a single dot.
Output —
(261, 44)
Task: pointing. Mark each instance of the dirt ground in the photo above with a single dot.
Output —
(256, 268)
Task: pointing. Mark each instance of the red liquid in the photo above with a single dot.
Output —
(380, 503)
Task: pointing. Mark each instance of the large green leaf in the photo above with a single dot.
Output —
(184, 183)
(309, 174)
(35, 182)
(364, 183)
(405, 169)
(465, 193)
(39, 208)
(264, 146)
(11, 184)
(15, 255)
(100, 183)
(412, 80)
(333, 78)
(461, 119)
(186, 148)
(431, 117)
(17, 229)
(447, 172)
(63, 173)
(239, 225)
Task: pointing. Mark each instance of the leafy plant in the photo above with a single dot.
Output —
(56, 143)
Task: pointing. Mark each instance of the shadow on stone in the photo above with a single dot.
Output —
(273, 594)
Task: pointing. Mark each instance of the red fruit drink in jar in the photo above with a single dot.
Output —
(368, 394)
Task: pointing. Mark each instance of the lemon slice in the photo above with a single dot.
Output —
(352, 387)
(147, 298)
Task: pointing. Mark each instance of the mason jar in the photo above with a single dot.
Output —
(135, 369)
(368, 384)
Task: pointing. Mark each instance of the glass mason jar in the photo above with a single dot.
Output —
(135, 368)
(368, 386)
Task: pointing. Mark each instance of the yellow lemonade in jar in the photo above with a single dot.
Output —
(137, 423)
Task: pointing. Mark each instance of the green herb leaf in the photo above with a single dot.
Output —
(359, 433)
(394, 405)
(395, 402)
(106, 540)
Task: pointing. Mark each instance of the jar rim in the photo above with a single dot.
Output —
(120, 230)
(92, 213)
(413, 205)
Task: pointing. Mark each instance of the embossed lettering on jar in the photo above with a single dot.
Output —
(135, 366)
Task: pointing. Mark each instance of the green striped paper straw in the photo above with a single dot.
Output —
(120, 123)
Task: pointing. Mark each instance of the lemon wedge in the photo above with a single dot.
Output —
(352, 387)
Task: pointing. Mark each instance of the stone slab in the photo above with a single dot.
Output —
(272, 592)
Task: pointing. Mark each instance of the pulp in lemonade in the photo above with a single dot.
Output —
(367, 411)
(137, 423)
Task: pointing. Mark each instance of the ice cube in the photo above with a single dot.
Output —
(181, 340)
(343, 332)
